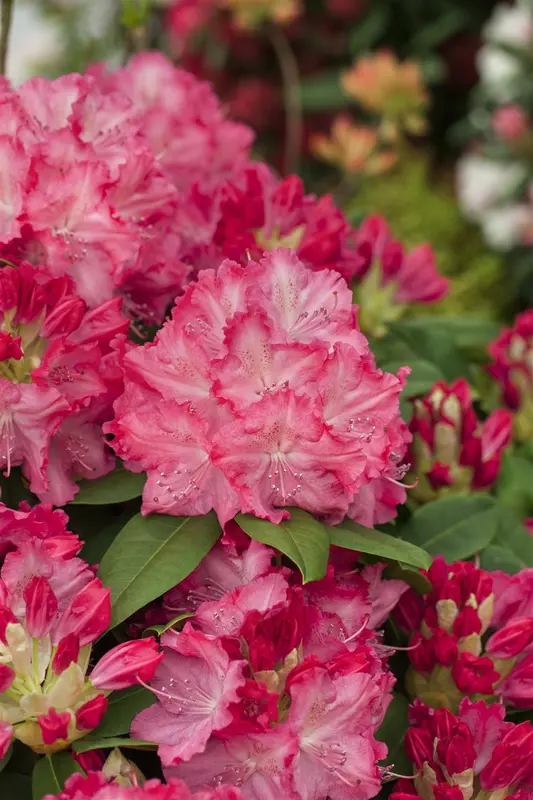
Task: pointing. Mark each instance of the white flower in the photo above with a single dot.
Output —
(503, 227)
(511, 25)
(498, 72)
(483, 183)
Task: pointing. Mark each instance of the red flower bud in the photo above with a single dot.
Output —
(419, 746)
(443, 791)
(122, 665)
(91, 713)
(10, 346)
(512, 639)
(68, 651)
(444, 648)
(54, 726)
(474, 675)
(7, 676)
(467, 622)
(92, 761)
(421, 653)
(87, 615)
(41, 606)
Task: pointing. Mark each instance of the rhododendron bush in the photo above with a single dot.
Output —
(266, 504)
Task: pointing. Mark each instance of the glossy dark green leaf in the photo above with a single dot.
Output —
(392, 733)
(152, 554)
(353, 536)
(117, 487)
(95, 743)
(51, 772)
(302, 538)
(122, 708)
(454, 527)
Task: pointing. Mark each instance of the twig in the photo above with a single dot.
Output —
(5, 25)
(291, 94)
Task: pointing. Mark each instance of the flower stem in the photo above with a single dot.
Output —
(291, 94)
(5, 25)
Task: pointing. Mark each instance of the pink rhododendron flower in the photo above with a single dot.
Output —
(512, 368)
(52, 609)
(273, 687)
(472, 635)
(97, 787)
(53, 392)
(387, 278)
(474, 750)
(95, 169)
(261, 393)
(451, 449)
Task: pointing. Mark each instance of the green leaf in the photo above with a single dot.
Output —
(409, 575)
(122, 708)
(512, 548)
(95, 743)
(117, 487)
(159, 630)
(392, 732)
(423, 375)
(15, 785)
(152, 554)
(429, 37)
(366, 34)
(454, 527)
(51, 772)
(465, 332)
(302, 538)
(353, 536)
(323, 92)
(515, 485)
(430, 345)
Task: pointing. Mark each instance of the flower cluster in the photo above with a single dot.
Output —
(96, 787)
(354, 149)
(260, 392)
(256, 211)
(274, 687)
(494, 180)
(52, 609)
(512, 368)
(451, 451)
(451, 656)
(475, 753)
(394, 91)
(387, 279)
(95, 168)
(58, 380)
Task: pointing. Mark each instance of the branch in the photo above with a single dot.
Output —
(291, 94)
(5, 26)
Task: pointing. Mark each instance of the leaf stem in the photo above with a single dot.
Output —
(291, 95)
(5, 26)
